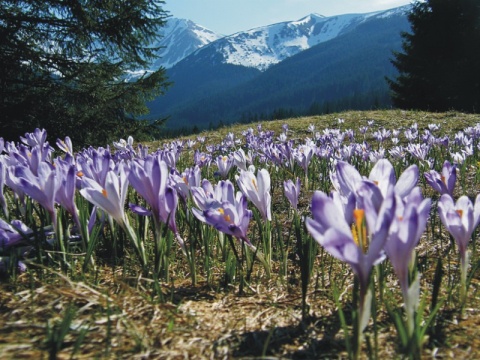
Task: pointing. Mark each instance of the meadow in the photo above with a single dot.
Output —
(348, 235)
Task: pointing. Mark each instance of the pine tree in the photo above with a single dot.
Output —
(64, 67)
(439, 66)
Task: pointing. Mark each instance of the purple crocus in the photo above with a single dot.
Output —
(229, 217)
(406, 229)
(111, 196)
(359, 244)
(303, 155)
(149, 178)
(257, 190)
(460, 219)
(443, 182)
(224, 164)
(240, 159)
(292, 192)
(347, 178)
(185, 181)
(361, 247)
(41, 188)
(65, 195)
(13, 234)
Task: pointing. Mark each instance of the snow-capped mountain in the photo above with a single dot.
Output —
(268, 45)
(180, 38)
(315, 64)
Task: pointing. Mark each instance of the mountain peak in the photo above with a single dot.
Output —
(180, 38)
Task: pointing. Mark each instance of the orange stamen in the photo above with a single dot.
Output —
(104, 192)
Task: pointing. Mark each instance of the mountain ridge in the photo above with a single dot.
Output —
(346, 71)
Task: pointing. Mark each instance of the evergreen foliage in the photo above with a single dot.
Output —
(439, 66)
(64, 67)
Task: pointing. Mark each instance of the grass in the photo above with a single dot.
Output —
(116, 312)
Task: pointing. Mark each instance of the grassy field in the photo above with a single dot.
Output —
(215, 305)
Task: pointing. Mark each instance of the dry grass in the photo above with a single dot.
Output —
(116, 314)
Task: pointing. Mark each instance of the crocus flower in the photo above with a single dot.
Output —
(41, 188)
(149, 178)
(347, 178)
(65, 194)
(406, 229)
(185, 181)
(240, 159)
(460, 219)
(292, 191)
(224, 164)
(257, 190)
(231, 218)
(362, 247)
(65, 145)
(443, 182)
(303, 156)
(94, 164)
(13, 234)
(359, 244)
(111, 196)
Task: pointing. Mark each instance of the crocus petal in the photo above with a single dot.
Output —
(407, 181)
(325, 213)
(383, 175)
(140, 210)
(347, 177)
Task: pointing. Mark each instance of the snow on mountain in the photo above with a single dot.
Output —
(265, 46)
(180, 38)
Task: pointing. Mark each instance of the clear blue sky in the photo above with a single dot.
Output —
(229, 16)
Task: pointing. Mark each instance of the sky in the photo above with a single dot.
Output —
(226, 17)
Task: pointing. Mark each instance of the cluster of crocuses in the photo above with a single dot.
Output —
(460, 217)
(100, 176)
(103, 177)
(364, 219)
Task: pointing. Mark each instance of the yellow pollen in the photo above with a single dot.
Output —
(255, 184)
(80, 174)
(459, 212)
(375, 182)
(185, 180)
(355, 235)
(221, 211)
(104, 192)
(359, 229)
(225, 158)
